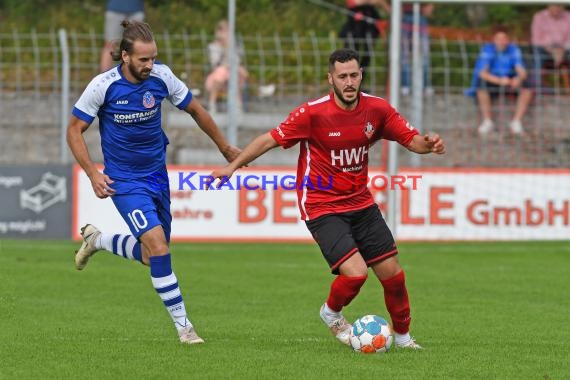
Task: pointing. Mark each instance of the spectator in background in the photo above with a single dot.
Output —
(499, 70)
(407, 40)
(550, 37)
(116, 12)
(219, 59)
(363, 24)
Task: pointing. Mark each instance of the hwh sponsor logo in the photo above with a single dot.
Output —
(344, 157)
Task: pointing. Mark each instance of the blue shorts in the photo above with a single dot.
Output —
(144, 203)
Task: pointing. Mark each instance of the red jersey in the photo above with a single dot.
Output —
(332, 170)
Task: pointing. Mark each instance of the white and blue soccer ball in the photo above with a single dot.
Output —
(370, 334)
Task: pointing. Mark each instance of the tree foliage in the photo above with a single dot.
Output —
(263, 16)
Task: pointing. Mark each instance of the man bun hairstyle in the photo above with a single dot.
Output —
(133, 31)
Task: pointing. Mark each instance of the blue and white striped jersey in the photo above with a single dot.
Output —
(132, 138)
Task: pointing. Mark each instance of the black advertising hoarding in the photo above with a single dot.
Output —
(35, 202)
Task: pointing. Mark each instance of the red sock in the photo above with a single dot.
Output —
(343, 290)
(397, 303)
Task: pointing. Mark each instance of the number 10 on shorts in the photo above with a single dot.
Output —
(137, 219)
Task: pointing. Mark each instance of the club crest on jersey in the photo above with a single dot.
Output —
(368, 129)
(148, 100)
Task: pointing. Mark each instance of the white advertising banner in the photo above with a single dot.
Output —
(260, 204)
(487, 205)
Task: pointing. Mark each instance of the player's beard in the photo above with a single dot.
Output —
(139, 75)
(340, 96)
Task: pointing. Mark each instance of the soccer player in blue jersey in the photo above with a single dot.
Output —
(127, 101)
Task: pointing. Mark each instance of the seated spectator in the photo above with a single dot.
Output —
(550, 37)
(217, 79)
(500, 70)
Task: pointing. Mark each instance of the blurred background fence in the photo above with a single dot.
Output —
(285, 70)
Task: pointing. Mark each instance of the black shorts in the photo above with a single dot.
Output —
(341, 235)
(495, 90)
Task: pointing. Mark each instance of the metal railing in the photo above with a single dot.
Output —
(31, 85)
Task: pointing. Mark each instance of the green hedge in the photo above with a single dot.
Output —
(264, 16)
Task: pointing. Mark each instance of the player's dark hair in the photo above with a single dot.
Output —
(342, 56)
(133, 31)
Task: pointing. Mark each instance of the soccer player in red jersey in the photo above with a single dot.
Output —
(335, 133)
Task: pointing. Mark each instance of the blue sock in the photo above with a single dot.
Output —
(166, 285)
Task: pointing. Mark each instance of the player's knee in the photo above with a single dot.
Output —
(362, 272)
(155, 247)
(355, 270)
(387, 268)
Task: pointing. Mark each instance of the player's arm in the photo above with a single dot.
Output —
(399, 129)
(423, 144)
(99, 181)
(256, 148)
(287, 134)
(207, 124)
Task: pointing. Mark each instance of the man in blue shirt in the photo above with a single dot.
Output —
(127, 100)
(500, 70)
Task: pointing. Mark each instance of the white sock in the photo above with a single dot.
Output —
(177, 311)
(105, 242)
(402, 338)
(165, 283)
(329, 315)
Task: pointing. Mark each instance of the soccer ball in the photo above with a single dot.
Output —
(370, 334)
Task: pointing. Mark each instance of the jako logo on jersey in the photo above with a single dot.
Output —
(122, 102)
(334, 134)
(148, 100)
(410, 127)
(368, 129)
(278, 129)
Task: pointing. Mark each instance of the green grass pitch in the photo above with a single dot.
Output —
(481, 310)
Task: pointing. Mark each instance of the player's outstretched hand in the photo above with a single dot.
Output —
(231, 152)
(219, 177)
(100, 183)
(435, 144)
